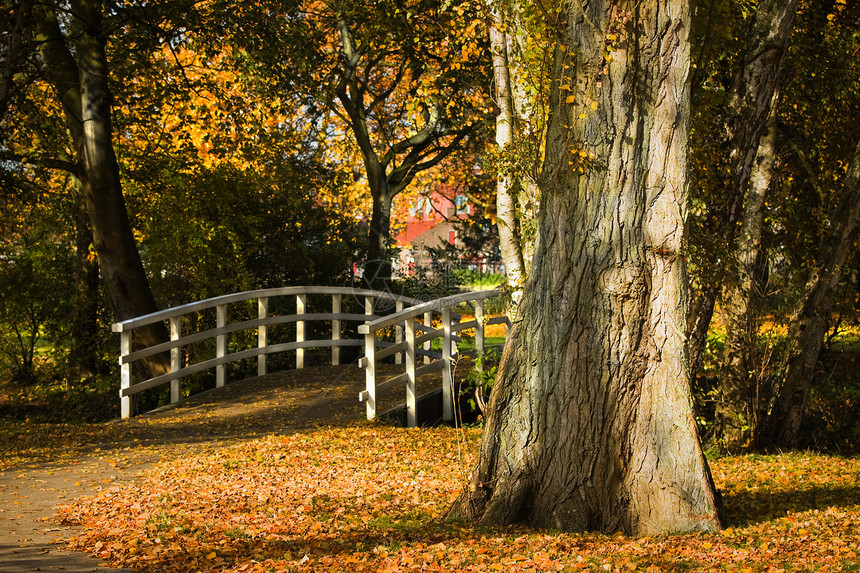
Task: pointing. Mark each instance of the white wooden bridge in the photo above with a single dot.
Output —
(211, 334)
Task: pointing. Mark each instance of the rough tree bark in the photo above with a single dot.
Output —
(811, 317)
(590, 423)
(747, 105)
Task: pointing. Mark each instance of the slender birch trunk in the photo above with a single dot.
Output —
(506, 201)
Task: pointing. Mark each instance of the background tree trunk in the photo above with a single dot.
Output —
(391, 160)
(377, 270)
(741, 396)
(746, 110)
(506, 202)
(84, 344)
(590, 423)
(811, 318)
(121, 266)
(81, 84)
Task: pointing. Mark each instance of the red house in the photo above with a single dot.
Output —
(431, 222)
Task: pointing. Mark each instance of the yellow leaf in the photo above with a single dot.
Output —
(211, 556)
(570, 99)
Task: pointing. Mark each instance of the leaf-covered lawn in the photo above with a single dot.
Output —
(372, 498)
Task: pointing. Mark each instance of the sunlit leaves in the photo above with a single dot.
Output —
(370, 498)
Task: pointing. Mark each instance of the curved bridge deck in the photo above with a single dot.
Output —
(280, 401)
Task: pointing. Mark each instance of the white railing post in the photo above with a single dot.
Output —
(447, 367)
(398, 334)
(335, 329)
(411, 398)
(479, 335)
(262, 334)
(220, 345)
(175, 356)
(370, 357)
(301, 302)
(125, 373)
(368, 306)
(428, 322)
(370, 373)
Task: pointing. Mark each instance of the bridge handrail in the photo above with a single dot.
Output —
(429, 306)
(174, 315)
(405, 320)
(161, 315)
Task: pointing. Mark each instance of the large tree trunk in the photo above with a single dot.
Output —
(811, 317)
(81, 83)
(741, 395)
(746, 110)
(590, 423)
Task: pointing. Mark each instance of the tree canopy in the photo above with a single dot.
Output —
(153, 153)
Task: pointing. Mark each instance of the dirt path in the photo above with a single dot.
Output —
(31, 539)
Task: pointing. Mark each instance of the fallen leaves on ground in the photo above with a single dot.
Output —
(368, 497)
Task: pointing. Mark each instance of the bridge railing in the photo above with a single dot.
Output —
(178, 319)
(417, 322)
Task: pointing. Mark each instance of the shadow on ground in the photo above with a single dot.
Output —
(44, 466)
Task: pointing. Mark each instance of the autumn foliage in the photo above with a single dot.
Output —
(368, 497)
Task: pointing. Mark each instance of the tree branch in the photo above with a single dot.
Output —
(388, 91)
(346, 91)
(412, 164)
(39, 161)
(423, 136)
(61, 70)
(810, 172)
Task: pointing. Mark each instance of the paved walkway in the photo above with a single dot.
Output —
(32, 540)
